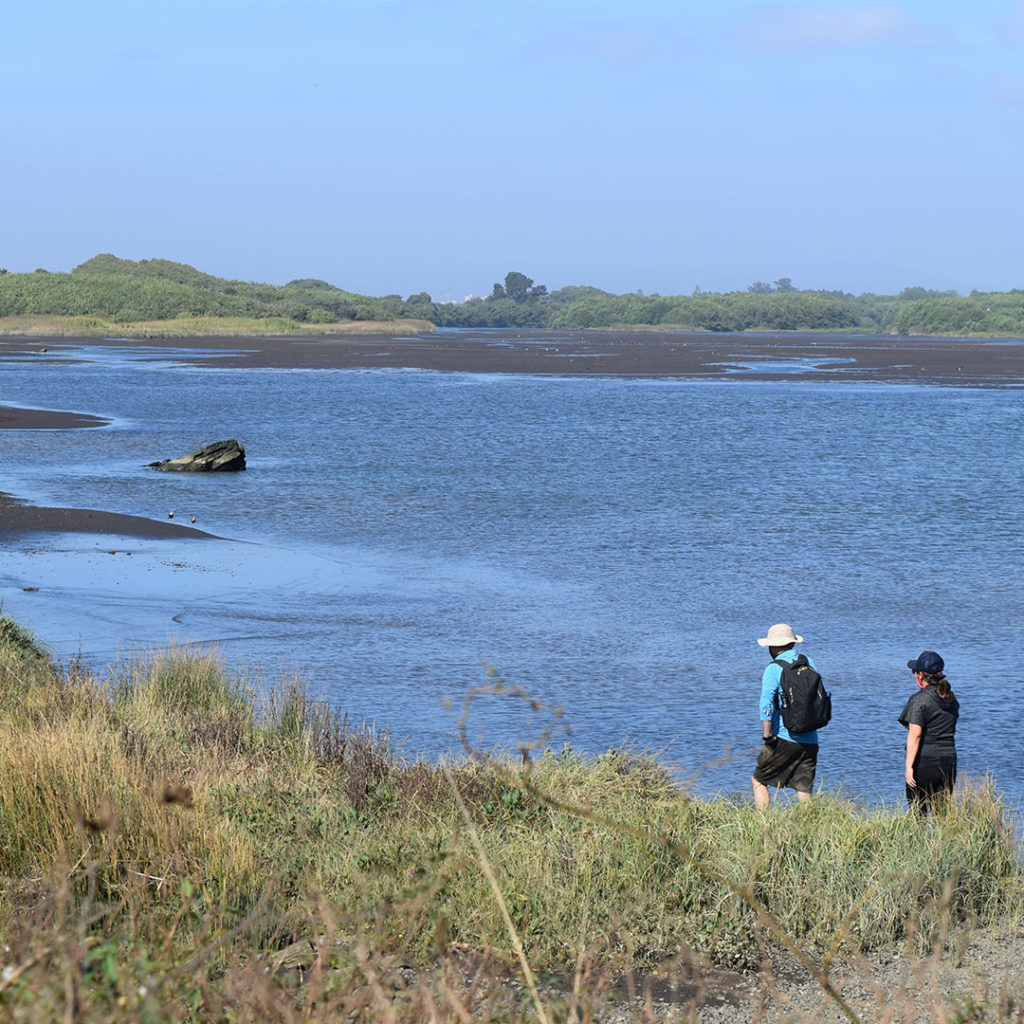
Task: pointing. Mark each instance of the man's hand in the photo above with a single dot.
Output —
(770, 741)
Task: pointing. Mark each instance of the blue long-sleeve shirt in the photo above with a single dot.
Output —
(769, 708)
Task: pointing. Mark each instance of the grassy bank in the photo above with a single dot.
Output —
(183, 843)
(199, 326)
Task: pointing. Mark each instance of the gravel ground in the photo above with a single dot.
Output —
(981, 978)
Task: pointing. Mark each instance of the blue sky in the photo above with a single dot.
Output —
(403, 147)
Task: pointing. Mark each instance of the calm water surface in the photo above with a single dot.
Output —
(614, 546)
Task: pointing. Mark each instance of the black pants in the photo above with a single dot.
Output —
(935, 778)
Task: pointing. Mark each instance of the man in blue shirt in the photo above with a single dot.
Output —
(788, 759)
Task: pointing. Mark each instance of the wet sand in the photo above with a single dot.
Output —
(17, 519)
(995, 363)
(46, 419)
(947, 361)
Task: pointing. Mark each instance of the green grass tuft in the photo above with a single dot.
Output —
(18, 641)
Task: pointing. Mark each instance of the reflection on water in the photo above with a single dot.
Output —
(786, 366)
(615, 546)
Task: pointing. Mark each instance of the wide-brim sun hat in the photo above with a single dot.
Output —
(780, 635)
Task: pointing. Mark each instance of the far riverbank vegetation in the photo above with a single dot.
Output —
(161, 297)
(182, 842)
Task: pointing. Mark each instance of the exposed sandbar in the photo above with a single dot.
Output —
(17, 518)
(46, 419)
(951, 361)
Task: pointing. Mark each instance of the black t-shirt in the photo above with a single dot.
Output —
(937, 719)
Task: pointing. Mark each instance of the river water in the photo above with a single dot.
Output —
(612, 546)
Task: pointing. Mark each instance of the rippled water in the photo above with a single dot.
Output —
(615, 546)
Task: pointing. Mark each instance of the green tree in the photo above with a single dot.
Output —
(517, 286)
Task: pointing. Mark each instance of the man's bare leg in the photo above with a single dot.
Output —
(762, 798)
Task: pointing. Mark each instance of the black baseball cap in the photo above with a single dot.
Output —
(928, 662)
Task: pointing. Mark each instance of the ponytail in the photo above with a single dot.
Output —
(942, 688)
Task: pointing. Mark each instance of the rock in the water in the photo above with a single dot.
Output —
(219, 457)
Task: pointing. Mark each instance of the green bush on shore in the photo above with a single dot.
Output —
(164, 298)
(175, 835)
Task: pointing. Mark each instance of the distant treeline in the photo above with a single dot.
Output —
(125, 291)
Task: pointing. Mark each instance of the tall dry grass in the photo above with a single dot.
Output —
(199, 326)
(184, 843)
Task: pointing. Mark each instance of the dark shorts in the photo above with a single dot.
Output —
(934, 778)
(788, 764)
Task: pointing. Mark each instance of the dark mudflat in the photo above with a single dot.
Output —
(17, 519)
(950, 361)
(46, 419)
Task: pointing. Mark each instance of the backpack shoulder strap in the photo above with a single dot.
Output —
(797, 662)
(783, 665)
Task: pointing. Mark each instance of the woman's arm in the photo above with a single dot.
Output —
(913, 746)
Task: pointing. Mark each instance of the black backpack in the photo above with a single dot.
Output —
(802, 700)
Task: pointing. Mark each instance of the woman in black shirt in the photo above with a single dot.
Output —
(930, 718)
